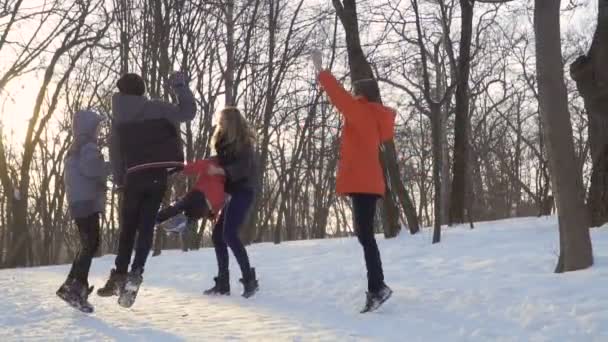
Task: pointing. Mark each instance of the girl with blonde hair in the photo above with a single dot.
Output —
(234, 144)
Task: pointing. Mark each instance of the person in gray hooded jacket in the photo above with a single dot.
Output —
(144, 135)
(85, 177)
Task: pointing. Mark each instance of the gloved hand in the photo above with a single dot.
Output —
(178, 79)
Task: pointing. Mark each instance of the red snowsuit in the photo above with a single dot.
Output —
(210, 185)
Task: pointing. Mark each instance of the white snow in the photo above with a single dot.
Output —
(494, 283)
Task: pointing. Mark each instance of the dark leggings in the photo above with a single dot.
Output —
(364, 209)
(225, 232)
(88, 229)
(140, 203)
(193, 205)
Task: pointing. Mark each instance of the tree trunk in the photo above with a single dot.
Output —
(229, 98)
(437, 151)
(575, 243)
(397, 187)
(361, 69)
(19, 243)
(461, 135)
(591, 76)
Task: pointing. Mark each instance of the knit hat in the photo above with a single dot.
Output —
(131, 84)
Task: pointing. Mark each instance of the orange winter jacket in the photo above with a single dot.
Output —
(366, 126)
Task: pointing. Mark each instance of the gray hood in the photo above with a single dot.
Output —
(126, 108)
(84, 125)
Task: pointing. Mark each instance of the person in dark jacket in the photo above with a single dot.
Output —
(144, 132)
(85, 177)
(234, 143)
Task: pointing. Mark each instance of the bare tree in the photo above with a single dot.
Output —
(575, 242)
(360, 68)
(78, 37)
(591, 77)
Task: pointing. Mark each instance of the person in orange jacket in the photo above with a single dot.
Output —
(206, 198)
(367, 123)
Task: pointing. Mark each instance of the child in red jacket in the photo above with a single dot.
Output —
(206, 199)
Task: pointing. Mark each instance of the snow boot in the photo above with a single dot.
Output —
(176, 224)
(250, 284)
(128, 293)
(76, 294)
(376, 299)
(113, 285)
(221, 287)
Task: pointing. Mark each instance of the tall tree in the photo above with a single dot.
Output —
(461, 122)
(591, 75)
(575, 242)
(360, 68)
(78, 37)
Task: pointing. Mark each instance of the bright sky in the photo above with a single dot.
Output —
(17, 101)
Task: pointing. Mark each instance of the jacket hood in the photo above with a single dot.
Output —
(84, 125)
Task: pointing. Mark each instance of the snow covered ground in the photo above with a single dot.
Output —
(494, 283)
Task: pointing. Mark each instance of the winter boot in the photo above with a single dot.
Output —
(112, 287)
(128, 292)
(221, 287)
(376, 299)
(177, 224)
(250, 284)
(76, 294)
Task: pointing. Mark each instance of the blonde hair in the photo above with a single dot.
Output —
(232, 133)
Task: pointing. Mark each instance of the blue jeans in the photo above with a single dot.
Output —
(225, 232)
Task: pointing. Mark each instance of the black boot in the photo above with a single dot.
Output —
(113, 285)
(128, 293)
(221, 287)
(375, 299)
(76, 294)
(250, 283)
(65, 288)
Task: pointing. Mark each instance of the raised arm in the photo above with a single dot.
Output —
(338, 96)
(185, 109)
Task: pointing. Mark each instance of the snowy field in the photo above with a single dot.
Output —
(494, 283)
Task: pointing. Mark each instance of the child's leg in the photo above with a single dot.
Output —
(364, 208)
(236, 212)
(88, 229)
(193, 205)
(167, 213)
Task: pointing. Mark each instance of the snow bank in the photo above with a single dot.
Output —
(494, 283)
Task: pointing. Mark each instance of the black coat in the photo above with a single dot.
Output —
(242, 169)
(145, 131)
